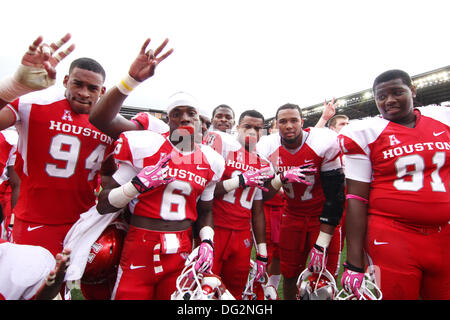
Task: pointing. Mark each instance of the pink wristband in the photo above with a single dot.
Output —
(354, 196)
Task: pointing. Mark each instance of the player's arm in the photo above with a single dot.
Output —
(205, 224)
(356, 220)
(259, 231)
(327, 113)
(36, 71)
(14, 181)
(334, 192)
(108, 168)
(105, 114)
(52, 284)
(246, 179)
(116, 196)
(293, 175)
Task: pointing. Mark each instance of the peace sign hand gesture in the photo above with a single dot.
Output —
(146, 62)
(37, 70)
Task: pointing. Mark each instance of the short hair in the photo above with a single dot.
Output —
(333, 120)
(289, 106)
(392, 75)
(251, 113)
(223, 106)
(88, 64)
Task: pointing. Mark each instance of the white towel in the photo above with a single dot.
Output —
(82, 236)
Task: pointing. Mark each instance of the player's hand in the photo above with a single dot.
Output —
(317, 259)
(352, 280)
(256, 178)
(261, 265)
(205, 257)
(146, 62)
(153, 176)
(52, 284)
(37, 70)
(329, 109)
(297, 174)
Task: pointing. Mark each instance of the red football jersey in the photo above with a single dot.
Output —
(59, 155)
(320, 148)
(151, 123)
(8, 145)
(233, 209)
(196, 174)
(408, 168)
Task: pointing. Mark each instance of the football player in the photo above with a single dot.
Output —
(223, 118)
(238, 206)
(397, 177)
(273, 209)
(313, 209)
(162, 176)
(60, 154)
(30, 272)
(10, 182)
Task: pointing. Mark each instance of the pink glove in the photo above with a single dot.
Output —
(297, 174)
(255, 178)
(205, 257)
(317, 259)
(152, 176)
(352, 279)
(261, 264)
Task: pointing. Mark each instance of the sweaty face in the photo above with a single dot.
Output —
(395, 101)
(249, 131)
(223, 119)
(83, 89)
(290, 125)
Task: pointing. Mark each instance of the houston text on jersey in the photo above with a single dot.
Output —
(418, 147)
(77, 130)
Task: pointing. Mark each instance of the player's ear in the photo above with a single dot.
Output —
(102, 91)
(413, 91)
(66, 80)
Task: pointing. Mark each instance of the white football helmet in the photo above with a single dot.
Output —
(198, 286)
(368, 291)
(316, 286)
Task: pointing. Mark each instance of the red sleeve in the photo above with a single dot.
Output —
(122, 150)
(142, 119)
(349, 146)
(214, 141)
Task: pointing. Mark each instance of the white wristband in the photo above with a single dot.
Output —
(231, 184)
(127, 84)
(276, 182)
(119, 197)
(262, 249)
(206, 233)
(324, 239)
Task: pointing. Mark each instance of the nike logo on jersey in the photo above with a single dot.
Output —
(438, 133)
(377, 243)
(33, 228)
(132, 267)
(201, 168)
(309, 160)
